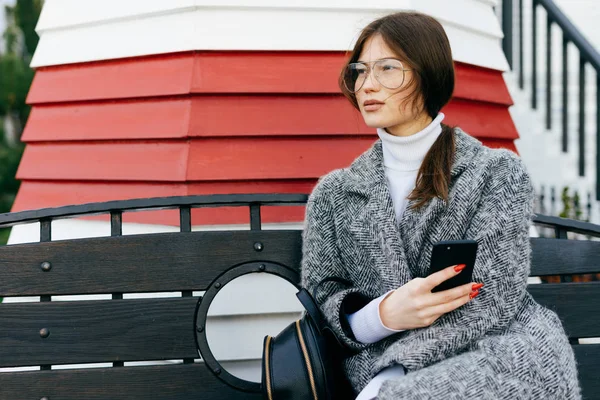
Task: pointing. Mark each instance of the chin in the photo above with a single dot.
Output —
(375, 122)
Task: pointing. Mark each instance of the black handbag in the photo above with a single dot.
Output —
(304, 361)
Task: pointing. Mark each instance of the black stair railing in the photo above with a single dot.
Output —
(588, 55)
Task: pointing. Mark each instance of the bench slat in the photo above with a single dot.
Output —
(587, 356)
(163, 382)
(575, 303)
(97, 331)
(560, 256)
(138, 263)
(189, 381)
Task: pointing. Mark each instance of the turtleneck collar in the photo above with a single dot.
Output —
(406, 153)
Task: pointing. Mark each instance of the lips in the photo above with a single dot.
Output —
(372, 105)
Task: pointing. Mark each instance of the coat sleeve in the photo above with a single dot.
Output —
(321, 259)
(500, 225)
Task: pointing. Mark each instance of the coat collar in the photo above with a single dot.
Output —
(374, 224)
(367, 171)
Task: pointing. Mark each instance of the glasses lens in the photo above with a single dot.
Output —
(390, 73)
(355, 76)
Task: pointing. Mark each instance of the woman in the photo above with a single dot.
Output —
(375, 222)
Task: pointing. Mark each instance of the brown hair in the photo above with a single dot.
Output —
(421, 42)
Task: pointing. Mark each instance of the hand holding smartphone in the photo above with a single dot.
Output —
(453, 252)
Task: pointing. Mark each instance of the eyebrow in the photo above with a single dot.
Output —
(379, 59)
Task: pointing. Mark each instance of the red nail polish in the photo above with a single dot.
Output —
(476, 286)
(474, 294)
(460, 267)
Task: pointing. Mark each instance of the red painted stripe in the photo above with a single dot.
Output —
(267, 72)
(167, 74)
(289, 158)
(224, 72)
(151, 161)
(208, 159)
(154, 119)
(235, 115)
(481, 84)
(198, 160)
(482, 120)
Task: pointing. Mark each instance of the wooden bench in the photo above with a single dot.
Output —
(49, 333)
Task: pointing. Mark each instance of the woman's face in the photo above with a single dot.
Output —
(389, 108)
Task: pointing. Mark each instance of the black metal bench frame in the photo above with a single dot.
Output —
(50, 333)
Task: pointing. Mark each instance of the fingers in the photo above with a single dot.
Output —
(450, 306)
(438, 277)
(453, 294)
(450, 300)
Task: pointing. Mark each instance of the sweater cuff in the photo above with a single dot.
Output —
(366, 323)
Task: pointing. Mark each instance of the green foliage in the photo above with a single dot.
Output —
(26, 14)
(15, 79)
(4, 233)
(571, 205)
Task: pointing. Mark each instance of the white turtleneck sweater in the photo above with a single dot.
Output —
(402, 159)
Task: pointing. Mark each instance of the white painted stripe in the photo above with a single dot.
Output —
(90, 12)
(103, 30)
(79, 229)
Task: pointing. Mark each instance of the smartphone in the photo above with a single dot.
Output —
(453, 252)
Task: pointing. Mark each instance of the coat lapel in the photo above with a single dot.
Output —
(373, 221)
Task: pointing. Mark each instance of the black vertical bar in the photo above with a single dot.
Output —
(185, 225)
(521, 69)
(255, 223)
(116, 229)
(561, 233)
(45, 230)
(552, 200)
(185, 219)
(116, 223)
(534, 56)
(548, 73)
(597, 136)
(565, 97)
(581, 116)
(507, 27)
(45, 236)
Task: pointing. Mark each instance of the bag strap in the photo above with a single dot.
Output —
(310, 304)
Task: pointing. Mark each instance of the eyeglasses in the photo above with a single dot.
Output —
(389, 72)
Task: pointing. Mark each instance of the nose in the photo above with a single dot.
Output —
(371, 83)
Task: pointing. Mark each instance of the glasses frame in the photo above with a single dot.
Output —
(370, 69)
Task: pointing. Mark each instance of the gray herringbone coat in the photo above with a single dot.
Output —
(501, 345)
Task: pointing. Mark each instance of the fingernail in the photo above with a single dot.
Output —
(474, 294)
(476, 286)
(460, 267)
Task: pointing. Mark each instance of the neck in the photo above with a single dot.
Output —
(407, 153)
(410, 127)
